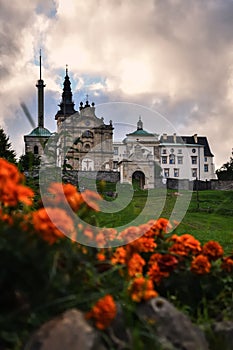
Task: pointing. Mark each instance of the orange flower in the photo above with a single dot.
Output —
(227, 264)
(9, 172)
(103, 312)
(6, 218)
(90, 198)
(158, 227)
(129, 234)
(184, 245)
(52, 224)
(142, 289)
(119, 256)
(156, 274)
(167, 263)
(135, 265)
(100, 239)
(144, 244)
(11, 190)
(213, 250)
(62, 192)
(200, 265)
(100, 257)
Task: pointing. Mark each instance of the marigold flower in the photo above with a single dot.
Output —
(11, 190)
(141, 289)
(119, 256)
(167, 262)
(200, 265)
(135, 264)
(184, 245)
(90, 198)
(103, 312)
(143, 244)
(156, 274)
(67, 192)
(52, 223)
(100, 239)
(100, 257)
(129, 234)
(213, 250)
(227, 264)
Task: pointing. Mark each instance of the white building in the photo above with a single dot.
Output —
(180, 157)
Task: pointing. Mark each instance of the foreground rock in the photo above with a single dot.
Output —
(66, 332)
(174, 329)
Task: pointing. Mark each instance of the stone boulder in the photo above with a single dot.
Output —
(68, 331)
(173, 328)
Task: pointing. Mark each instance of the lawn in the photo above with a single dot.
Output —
(209, 215)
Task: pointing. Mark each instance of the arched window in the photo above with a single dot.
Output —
(36, 149)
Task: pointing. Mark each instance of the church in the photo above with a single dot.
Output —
(85, 144)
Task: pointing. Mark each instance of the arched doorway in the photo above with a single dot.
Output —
(138, 180)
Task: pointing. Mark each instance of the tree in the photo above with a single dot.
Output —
(28, 162)
(226, 171)
(6, 150)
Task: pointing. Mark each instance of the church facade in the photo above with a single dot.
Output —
(85, 143)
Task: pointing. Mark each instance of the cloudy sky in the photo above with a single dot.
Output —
(172, 57)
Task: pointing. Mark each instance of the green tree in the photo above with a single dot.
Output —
(6, 150)
(226, 171)
(28, 162)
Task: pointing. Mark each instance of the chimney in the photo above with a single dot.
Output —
(165, 137)
(195, 138)
(174, 137)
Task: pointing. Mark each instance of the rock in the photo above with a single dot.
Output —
(174, 329)
(68, 331)
(223, 335)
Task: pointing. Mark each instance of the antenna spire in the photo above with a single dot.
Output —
(40, 64)
(40, 86)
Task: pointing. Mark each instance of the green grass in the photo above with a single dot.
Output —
(209, 215)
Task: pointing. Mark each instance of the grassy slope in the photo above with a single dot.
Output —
(212, 221)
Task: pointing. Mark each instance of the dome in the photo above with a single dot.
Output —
(39, 131)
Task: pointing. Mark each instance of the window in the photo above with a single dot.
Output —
(205, 159)
(172, 159)
(179, 151)
(36, 150)
(164, 160)
(194, 172)
(115, 151)
(194, 150)
(166, 172)
(115, 164)
(206, 168)
(164, 151)
(180, 160)
(194, 159)
(172, 150)
(176, 172)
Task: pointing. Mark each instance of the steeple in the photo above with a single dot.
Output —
(67, 104)
(139, 124)
(40, 86)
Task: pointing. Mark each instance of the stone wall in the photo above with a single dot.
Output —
(74, 176)
(184, 184)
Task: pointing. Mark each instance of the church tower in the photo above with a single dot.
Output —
(67, 104)
(36, 140)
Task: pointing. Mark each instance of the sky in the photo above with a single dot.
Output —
(173, 58)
